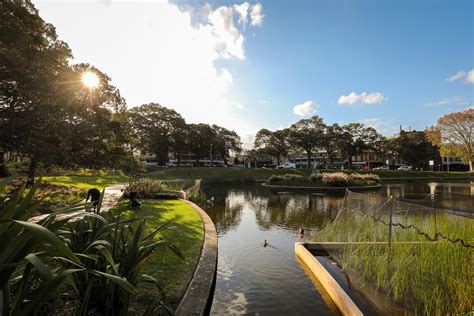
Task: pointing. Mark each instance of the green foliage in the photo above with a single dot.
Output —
(93, 263)
(146, 188)
(429, 277)
(334, 179)
(273, 143)
(184, 228)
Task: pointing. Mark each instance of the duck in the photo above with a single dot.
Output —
(264, 244)
(301, 231)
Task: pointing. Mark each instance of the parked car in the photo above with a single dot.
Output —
(382, 168)
(287, 165)
(171, 164)
(405, 168)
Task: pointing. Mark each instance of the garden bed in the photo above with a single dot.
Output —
(324, 182)
(185, 232)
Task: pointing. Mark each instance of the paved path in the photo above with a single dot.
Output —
(112, 196)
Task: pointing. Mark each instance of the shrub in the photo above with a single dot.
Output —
(275, 179)
(294, 178)
(363, 179)
(146, 188)
(336, 179)
(316, 177)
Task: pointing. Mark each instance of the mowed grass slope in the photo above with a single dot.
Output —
(87, 181)
(265, 173)
(185, 232)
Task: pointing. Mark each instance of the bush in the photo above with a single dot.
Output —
(316, 177)
(275, 179)
(336, 179)
(146, 188)
(363, 179)
(294, 178)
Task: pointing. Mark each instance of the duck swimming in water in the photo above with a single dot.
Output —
(264, 244)
(301, 233)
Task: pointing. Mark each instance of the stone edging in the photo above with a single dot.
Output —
(325, 189)
(197, 299)
(340, 298)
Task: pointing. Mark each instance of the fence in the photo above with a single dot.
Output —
(418, 255)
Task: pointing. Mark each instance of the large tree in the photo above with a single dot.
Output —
(225, 141)
(273, 143)
(457, 130)
(307, 134)
(329, 141)
(356, 138)
(32, 62)
(201, 138)
(157, 127)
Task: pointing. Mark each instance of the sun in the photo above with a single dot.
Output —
(90, 80)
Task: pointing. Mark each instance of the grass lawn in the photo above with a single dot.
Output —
(265, 173)
(87, 181)
(185, 232)
(223, 173)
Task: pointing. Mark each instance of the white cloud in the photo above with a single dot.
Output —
(306, 108)
(363, 98)
(240, 106)
(243, 11)
(470, 76)
(457, 76)
(456, 100)
(171, 56)
(227, 76)
(262, 101)
(256, 15)
(229, 42)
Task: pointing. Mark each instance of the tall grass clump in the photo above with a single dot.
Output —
(147, 188)
(430, 278)
(363, 179)
(336, 179)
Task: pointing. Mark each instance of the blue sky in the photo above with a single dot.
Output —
(248, 69)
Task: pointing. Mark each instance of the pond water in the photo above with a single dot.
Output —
(253, 279)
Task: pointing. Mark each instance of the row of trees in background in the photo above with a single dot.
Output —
(307, 135)
(161, 131)
(48, 117)
(452, 136)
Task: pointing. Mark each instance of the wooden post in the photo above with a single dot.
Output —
(390, 224)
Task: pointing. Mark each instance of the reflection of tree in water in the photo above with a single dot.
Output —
(284, 210)
(294, 211)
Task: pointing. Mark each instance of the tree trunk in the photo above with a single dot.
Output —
(278, 160)
(350, 162)
(308, 153)
(3, 167)
(32, 171)
(470, 166)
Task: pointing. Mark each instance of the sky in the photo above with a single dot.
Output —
(247, 65)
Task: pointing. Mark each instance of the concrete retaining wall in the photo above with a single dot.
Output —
(198, 297)
(340, 298)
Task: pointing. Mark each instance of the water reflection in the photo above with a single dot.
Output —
(255, 279)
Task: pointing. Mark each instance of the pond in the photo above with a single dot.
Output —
(257, 279)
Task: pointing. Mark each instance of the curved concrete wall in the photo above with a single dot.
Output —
(197, 299)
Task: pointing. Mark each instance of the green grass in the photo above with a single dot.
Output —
(431, 277)
(87, 181)
(216, 175)
(50, 197)
(185, 232)
(223, 173)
